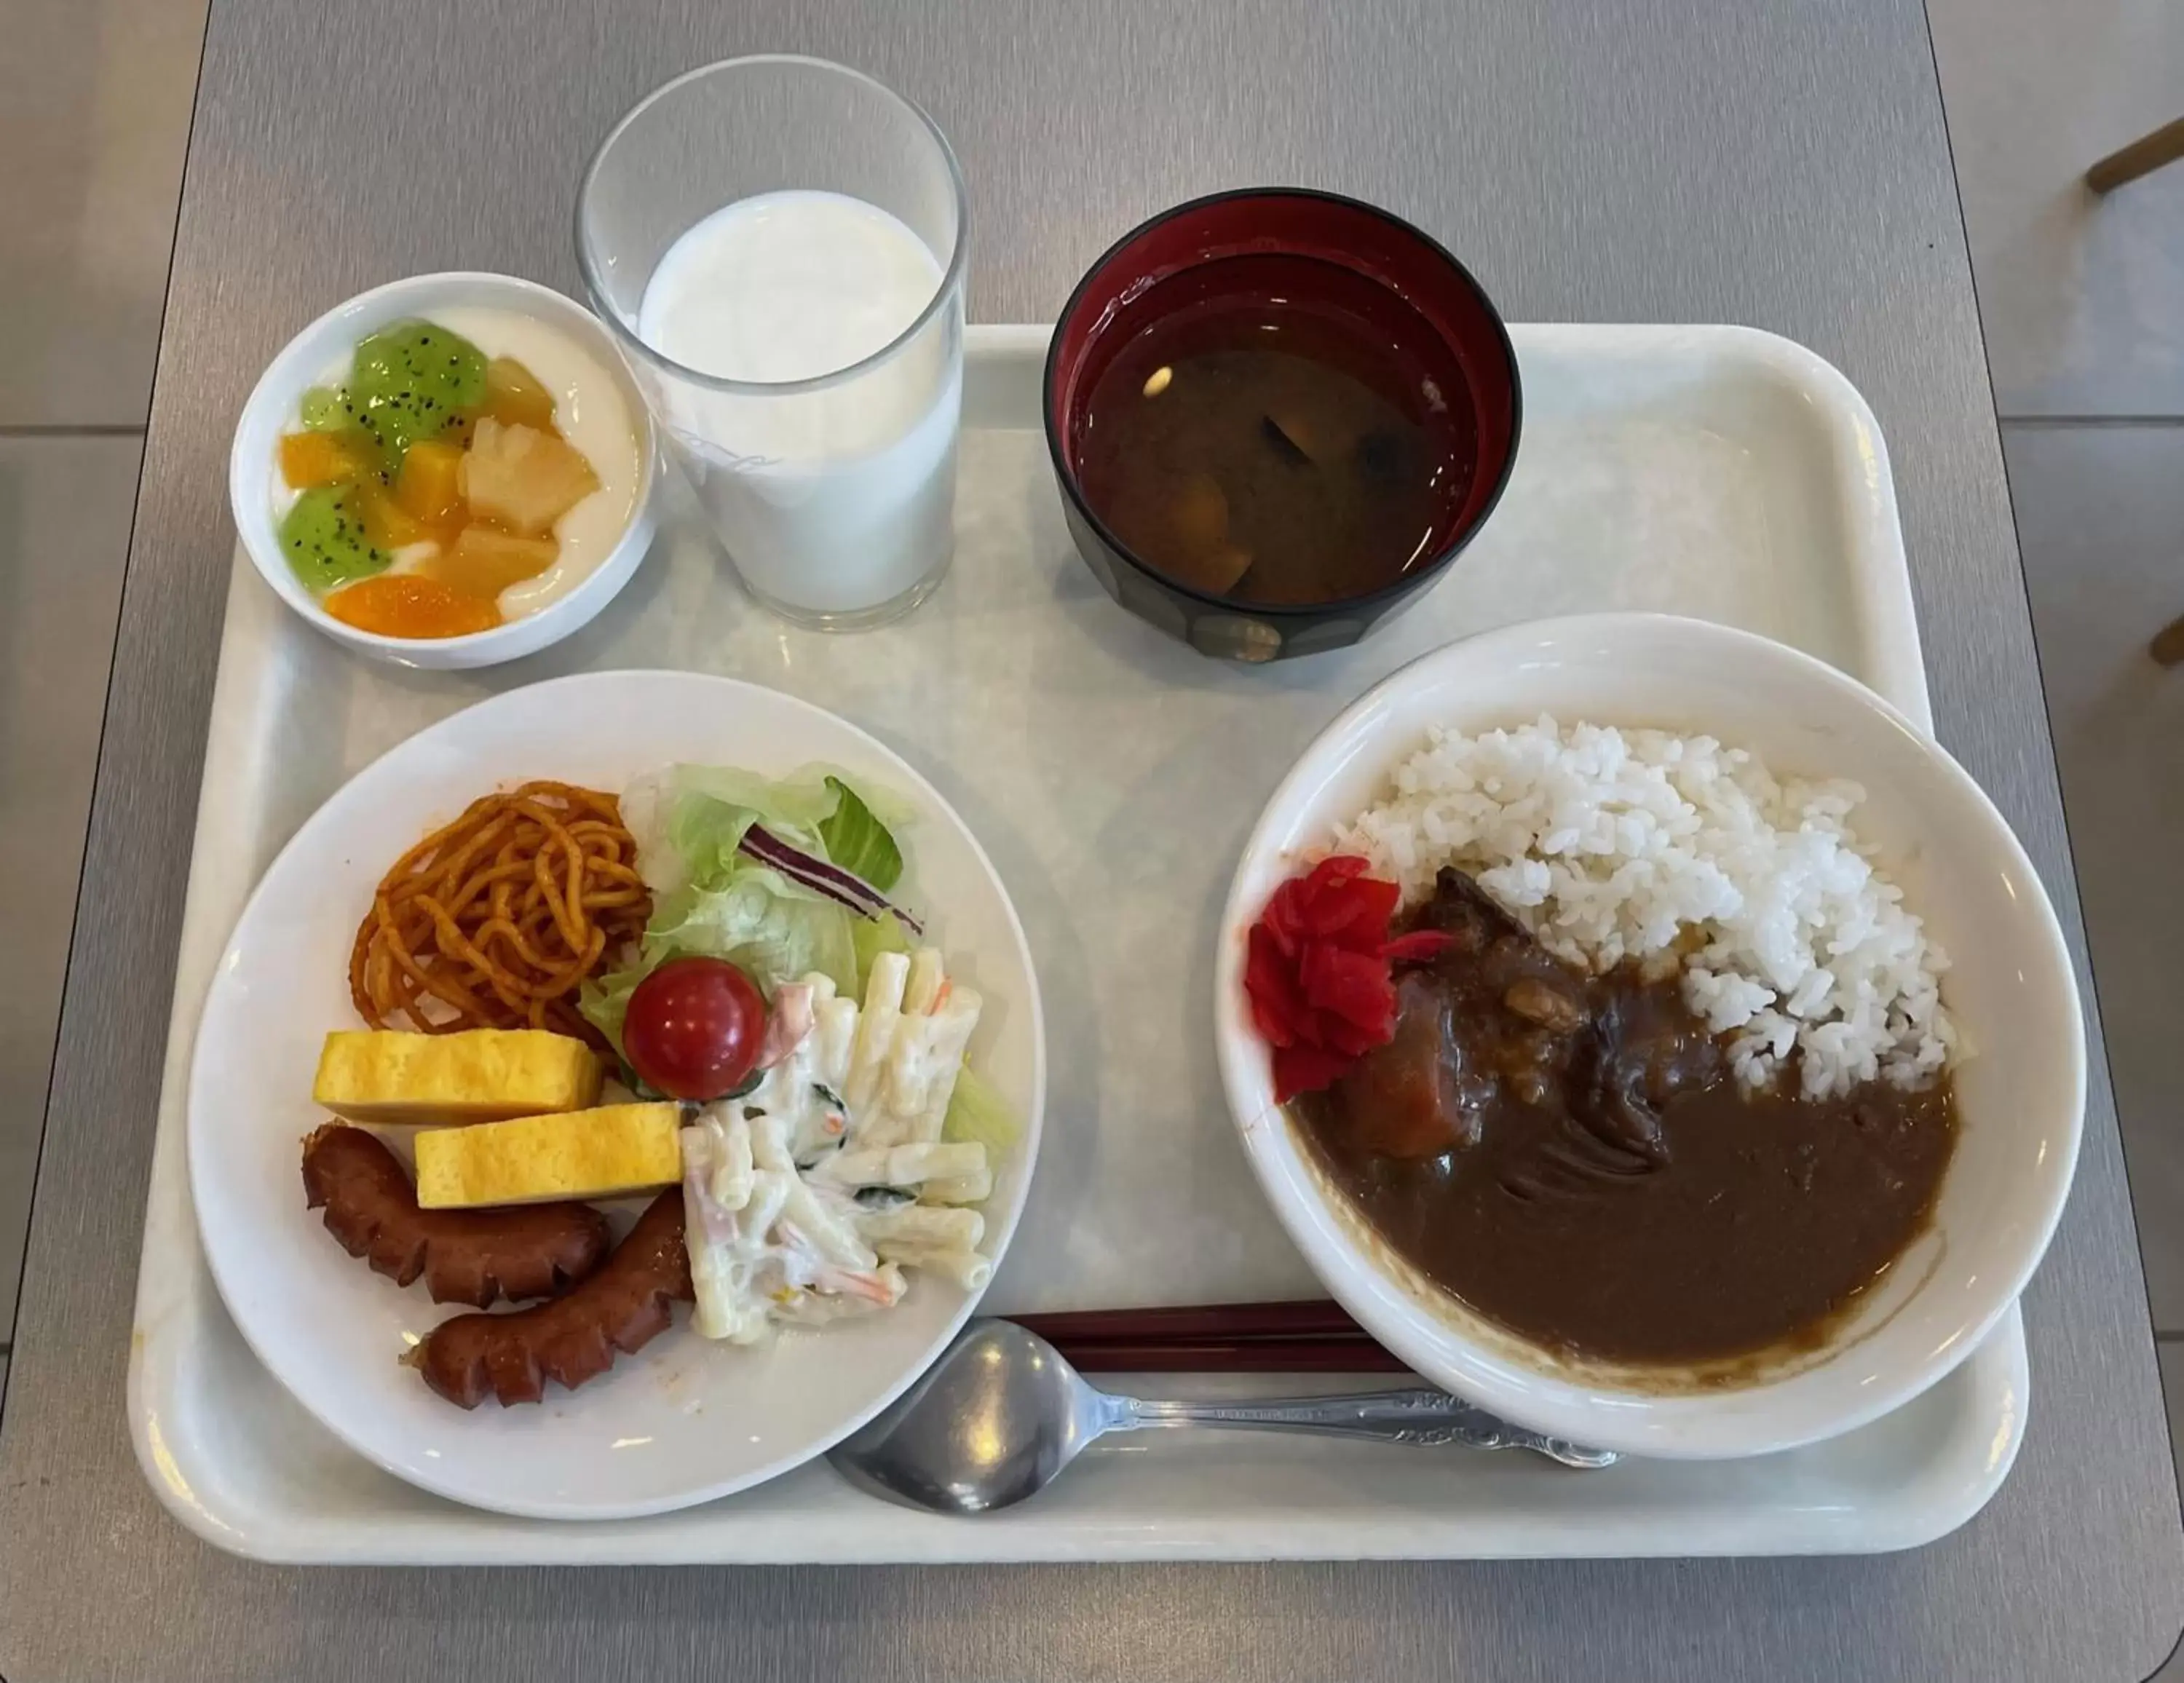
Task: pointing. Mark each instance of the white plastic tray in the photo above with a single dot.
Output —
(1113, 774)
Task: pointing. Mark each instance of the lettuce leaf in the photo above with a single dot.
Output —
(710, 898)
(688, 821)
(872, 936)
(605, 999)
(776, 929)
(770, 928)
(706, 833)
(858, 842)
(977, 1115)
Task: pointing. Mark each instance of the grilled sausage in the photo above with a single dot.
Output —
(473, 1257)
(622, 1308)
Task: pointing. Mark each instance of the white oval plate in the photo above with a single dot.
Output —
(684, 1420)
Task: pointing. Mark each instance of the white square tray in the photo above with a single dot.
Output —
(1112, 774)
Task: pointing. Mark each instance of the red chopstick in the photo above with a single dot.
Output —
(1319, 1318)
(1316, 1337)
(1249, 1356)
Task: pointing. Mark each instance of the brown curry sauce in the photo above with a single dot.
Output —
(1572, 1156)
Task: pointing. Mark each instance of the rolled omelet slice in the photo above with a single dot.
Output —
(387, 1076)
(602, 1153)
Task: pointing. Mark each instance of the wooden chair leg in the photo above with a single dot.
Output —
(2166, 145)
(2168, 645)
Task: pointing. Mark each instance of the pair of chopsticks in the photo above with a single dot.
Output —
(1223, 1337)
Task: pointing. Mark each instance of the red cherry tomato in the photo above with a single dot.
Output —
(694, 1027)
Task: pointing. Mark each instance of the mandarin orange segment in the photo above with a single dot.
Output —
(407, 604)
(309, 459)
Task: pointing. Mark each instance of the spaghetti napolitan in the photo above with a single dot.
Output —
(495, 921)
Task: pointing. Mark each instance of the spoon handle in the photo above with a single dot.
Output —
(1423, 1417)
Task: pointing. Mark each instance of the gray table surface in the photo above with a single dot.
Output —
(1677, 160)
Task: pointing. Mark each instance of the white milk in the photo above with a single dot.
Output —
(831, 501)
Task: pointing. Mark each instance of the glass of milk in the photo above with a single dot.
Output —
(779, 244)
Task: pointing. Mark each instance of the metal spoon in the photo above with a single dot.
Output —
(1000, 1415)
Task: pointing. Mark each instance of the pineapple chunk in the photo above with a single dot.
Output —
(483, 562)
(384, 1075)
(523, 480)
(602, 1153)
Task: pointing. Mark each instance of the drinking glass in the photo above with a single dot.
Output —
(833, 496)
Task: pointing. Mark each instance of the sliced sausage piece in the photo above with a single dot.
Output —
(473, 1257)
(623, 1307)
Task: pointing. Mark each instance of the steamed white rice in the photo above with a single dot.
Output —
(1613, 845)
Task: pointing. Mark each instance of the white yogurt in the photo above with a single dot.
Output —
(589, 411)
(831, 501)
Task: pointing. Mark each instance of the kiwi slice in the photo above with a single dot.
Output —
(324, 541)
(410, 381)
(324, 410)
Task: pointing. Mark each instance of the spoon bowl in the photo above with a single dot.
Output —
(994, 1420)
(1000, 1415)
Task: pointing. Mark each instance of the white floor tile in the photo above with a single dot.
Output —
(95, 100)
(2100, 514)
(65, 511)
(2080, 296)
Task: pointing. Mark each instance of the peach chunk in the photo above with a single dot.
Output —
(429, 487)
(483, 562)
(313, 458)
(386, 524)
(514, 397)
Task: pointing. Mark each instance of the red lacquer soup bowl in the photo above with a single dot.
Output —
(1320, 270)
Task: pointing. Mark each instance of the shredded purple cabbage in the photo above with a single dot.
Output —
(821, 877)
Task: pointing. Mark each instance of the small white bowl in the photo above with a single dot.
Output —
(325, 343)
(2020, 1086)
